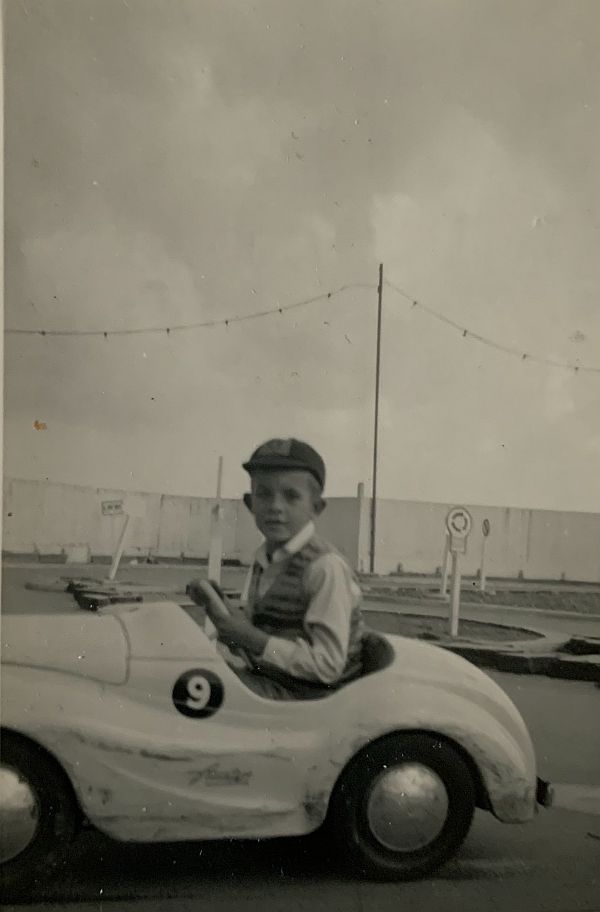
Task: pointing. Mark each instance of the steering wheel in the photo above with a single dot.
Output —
(208, 592)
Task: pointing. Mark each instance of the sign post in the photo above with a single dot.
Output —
(485, 528)
(455, 596)
(215, 552)
(129, 508)
(116, 508)
(458, 524)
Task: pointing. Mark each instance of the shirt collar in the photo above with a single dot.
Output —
(292, 546)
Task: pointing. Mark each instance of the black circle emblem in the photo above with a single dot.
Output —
(198, 693)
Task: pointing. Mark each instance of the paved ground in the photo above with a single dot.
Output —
(421, 582)
(499, 585)
(16, 599)
(546, 621)
(554, 868)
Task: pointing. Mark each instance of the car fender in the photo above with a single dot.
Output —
(452, 699)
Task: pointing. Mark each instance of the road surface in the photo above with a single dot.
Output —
(16, 599)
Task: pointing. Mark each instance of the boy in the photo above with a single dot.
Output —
(302, 627)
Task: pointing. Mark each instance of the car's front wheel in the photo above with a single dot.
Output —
(38, 813)
(403, 806)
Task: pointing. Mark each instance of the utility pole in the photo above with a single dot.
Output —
(376, 433)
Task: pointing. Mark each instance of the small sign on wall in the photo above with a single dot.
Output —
(112, 507)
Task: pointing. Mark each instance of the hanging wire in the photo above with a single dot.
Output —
(325, 296)
(484, 340)
(183, 327)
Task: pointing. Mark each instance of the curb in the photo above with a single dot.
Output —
(549, 665)
(507, 658)
(439, 603)
(537, 635)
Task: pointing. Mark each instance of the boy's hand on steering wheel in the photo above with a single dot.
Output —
(232, 627)
(216, 603)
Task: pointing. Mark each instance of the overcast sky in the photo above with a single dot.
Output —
(170, 161)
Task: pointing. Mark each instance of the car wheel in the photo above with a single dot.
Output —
(403, 806)
(38, 814)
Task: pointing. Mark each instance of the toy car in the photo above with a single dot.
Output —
(131, 720)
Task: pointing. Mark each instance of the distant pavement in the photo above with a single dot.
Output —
(173, 578)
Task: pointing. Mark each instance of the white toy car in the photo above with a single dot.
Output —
(131, 720)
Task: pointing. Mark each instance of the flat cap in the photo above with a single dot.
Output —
(287, 454)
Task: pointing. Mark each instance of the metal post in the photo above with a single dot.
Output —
(362, 530)
(376, 433)
(455, 600)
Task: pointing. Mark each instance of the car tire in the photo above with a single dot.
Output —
(402, 807)
(39, 815)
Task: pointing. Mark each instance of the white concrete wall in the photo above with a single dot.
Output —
(540, 544)
(44, 517)
(39, 516)
(569, 542)
(339, 524)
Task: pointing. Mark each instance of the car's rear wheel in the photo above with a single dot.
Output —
(38, 814)
(403, 806)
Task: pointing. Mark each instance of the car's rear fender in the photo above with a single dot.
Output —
(500, 756)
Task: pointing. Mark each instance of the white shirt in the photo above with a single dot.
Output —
(333, 596)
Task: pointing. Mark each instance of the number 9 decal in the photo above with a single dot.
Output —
(198, 693)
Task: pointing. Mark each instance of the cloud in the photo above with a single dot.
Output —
(560, 401)
(178, 162)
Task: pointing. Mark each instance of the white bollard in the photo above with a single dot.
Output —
(215, 554)
(485, 528)
(482, 580)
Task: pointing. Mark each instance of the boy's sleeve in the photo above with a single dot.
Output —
(322, 655)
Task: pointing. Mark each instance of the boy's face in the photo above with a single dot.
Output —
(283, 502)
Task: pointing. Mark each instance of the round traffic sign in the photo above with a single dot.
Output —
(485, 527)
(459, 522)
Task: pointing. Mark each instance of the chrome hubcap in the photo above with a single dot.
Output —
(18, 814)
(407, 807)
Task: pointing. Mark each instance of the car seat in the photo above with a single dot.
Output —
(377, 653)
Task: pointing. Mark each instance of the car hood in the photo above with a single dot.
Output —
(86, 645)
(101, 645)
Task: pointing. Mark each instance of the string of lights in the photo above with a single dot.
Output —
(484, 340)
(184, 327)
(465, 332)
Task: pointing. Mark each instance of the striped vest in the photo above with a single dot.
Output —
(282, 609)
